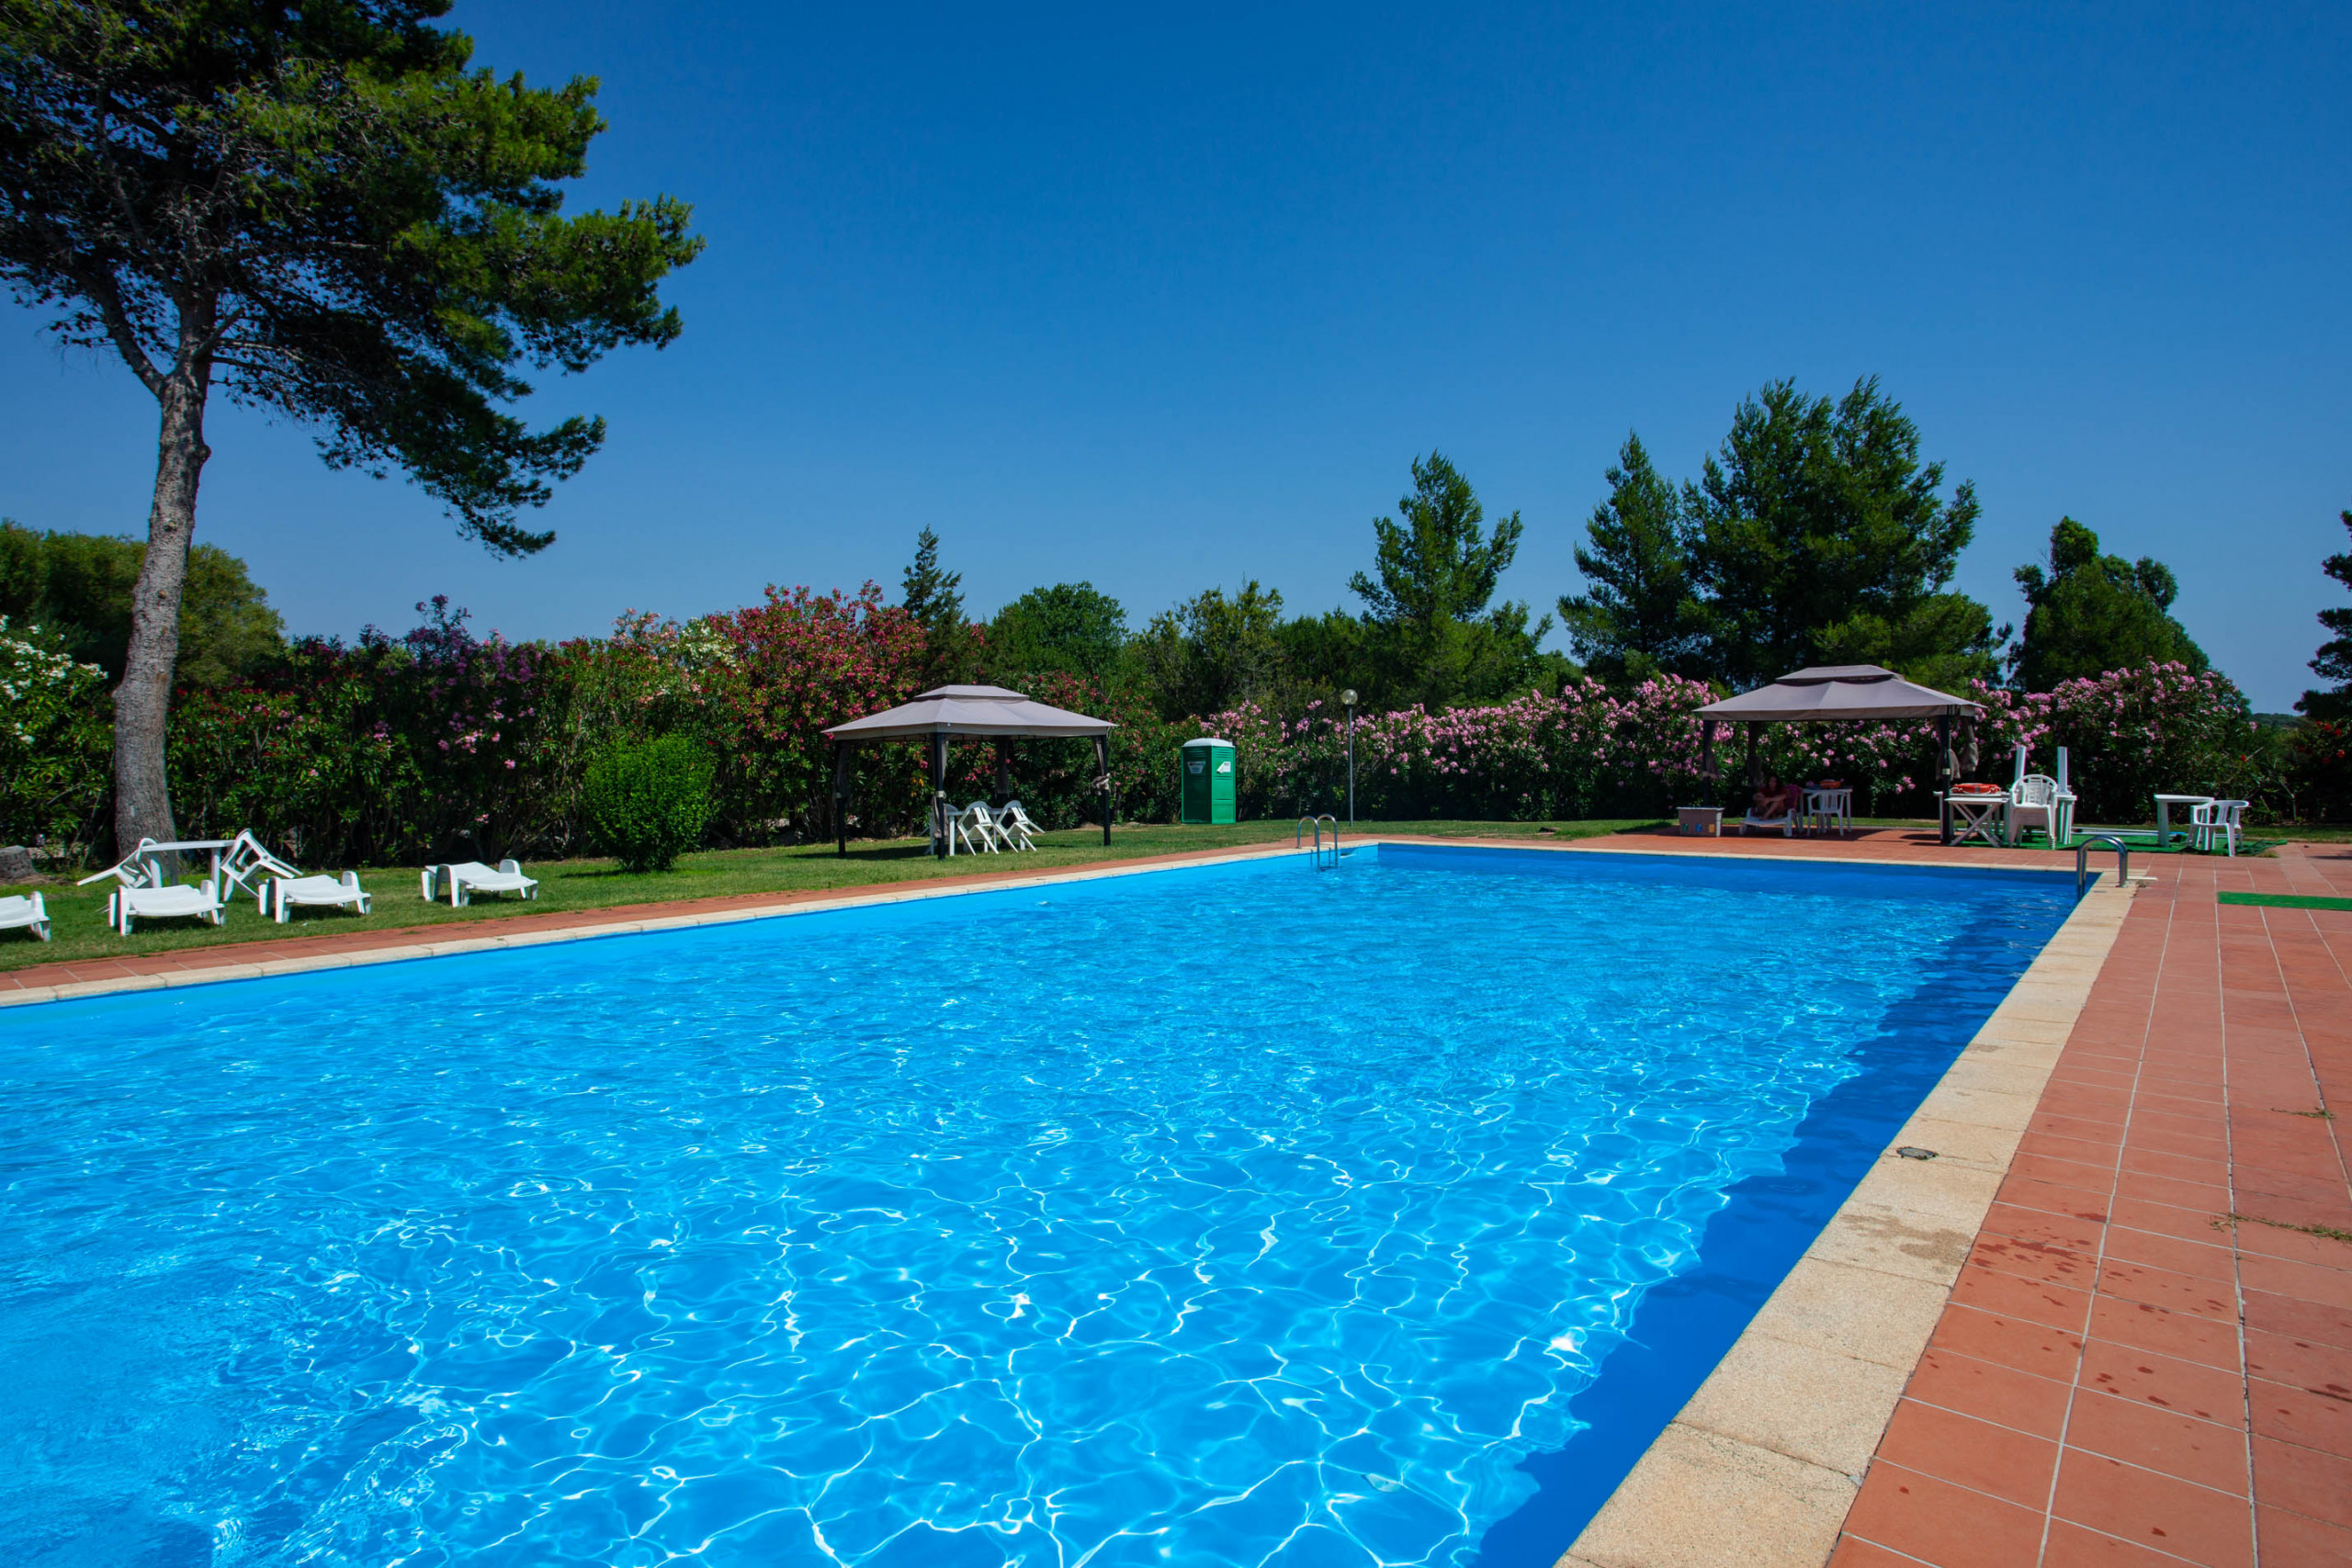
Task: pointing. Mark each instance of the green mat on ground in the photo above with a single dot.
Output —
(2142, 842)
(2286, 900)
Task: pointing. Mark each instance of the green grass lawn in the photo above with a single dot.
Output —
(78, 914)
(79, 918)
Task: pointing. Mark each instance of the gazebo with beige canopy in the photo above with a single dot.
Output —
(980, 712)
(1832, 694)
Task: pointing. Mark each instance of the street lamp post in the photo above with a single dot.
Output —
(1349, 697)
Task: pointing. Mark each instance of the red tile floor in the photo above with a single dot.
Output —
(2124, 1374)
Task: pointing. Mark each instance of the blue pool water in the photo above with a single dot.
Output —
(1229, 1216)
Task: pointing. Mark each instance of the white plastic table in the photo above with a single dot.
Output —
(2165, 802)
(1985, 816)
(155, 872)
(1831, 809)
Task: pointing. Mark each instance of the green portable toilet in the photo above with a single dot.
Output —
(1208, 781)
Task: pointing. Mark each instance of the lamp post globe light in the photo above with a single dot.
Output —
(1349, 697)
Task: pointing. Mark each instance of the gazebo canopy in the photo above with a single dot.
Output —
(943, 713)
(971, 710)
(1833, 692)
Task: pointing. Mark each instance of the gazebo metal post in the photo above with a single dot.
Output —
(1943, 776)
(841, 799)
(1755, 779)
(939, 828)
(1102, 760)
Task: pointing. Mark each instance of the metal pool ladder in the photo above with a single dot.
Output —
(2083, 861)
(1299, 837)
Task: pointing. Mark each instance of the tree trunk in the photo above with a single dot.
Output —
(143, 800)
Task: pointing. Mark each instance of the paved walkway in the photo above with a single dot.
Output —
(2123, 1375)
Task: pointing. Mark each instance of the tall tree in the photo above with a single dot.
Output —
(1638, 615)
(321, 210)
(1069, 627)
(935, 599)
(81, 586)
(2333, 661)
(1212, 651)
(2089, 613)
(1820, 537)
(1430, 594)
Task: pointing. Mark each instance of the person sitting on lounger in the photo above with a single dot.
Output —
(1777, 799)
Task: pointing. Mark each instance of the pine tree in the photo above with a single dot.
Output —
(2089, 613)
(329, 213)
(1638, 616)
(1429, 599)
(2334, 661)
(935, 599)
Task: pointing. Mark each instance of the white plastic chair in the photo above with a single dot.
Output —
(2221, 818)
(975, 821)
(142, 867)
(280, 894)
(31, 914)
(130, 903)
(467, 877)
(1016, 824)
(249, 867)
(2033, 803)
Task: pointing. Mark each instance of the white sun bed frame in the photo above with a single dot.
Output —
(17, 912)
(129, 903)
(466, 877)
(279, 894)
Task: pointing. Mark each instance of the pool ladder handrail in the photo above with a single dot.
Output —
(1298, 837)
(2083, 861)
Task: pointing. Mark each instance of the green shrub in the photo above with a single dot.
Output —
(648, 804)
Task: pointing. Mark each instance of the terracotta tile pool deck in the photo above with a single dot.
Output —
(2123, 1375)
(2144, 1360)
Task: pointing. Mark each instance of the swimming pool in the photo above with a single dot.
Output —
(1231, 1214)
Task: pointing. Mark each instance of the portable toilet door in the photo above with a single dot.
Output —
(1208, 781)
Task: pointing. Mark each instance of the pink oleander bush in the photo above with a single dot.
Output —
(1586, 752)
(444, 743)
(1591, 752)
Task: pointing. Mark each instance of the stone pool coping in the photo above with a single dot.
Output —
(1762, 1466)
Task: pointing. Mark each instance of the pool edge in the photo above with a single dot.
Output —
(1761, 1467)
(799, 904)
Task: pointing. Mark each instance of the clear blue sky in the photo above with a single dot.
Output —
(1171, 302)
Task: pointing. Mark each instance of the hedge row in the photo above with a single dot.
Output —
(442, 743)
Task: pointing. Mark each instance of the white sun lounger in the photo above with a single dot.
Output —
(280, 894)
(466, 877)
(29, 913)
(125, 905)
(1786, 822)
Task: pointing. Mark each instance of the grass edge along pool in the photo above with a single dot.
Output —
(1434, 1071)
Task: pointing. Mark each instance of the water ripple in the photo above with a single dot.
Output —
(1239, 1216)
